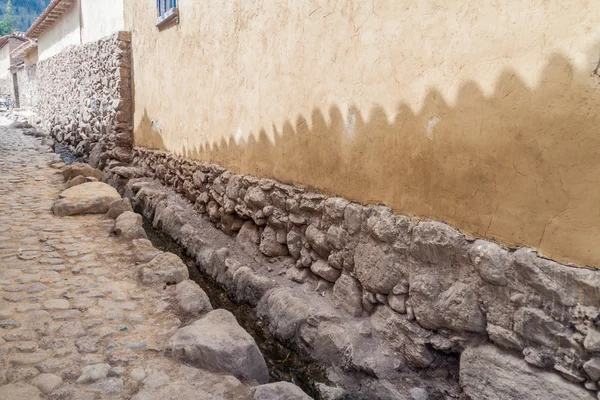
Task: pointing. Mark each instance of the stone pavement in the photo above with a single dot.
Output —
(75, 323)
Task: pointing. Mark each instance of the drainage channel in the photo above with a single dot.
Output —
(284, 362)
(64, 153)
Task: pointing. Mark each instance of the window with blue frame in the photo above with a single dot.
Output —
(167, 11)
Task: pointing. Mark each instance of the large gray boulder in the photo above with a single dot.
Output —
(269, 244)
(279, 391)
(289, 310)
(143, 250)
(286, 312)
(250, 286)
(347, 294)
(436, 243)
(129, 226)
(455, 307)
(87, 198)
(191, 298)
(218, 343)
(165, 268)
(488, 373)
(118, 207)
(376, 268)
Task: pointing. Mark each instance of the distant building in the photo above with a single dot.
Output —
(7, 44)
(74, 73)
(24, 71)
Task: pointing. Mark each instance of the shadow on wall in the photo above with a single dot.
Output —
(521, 166)
(150, 132)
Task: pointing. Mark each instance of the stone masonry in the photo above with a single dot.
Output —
(84, 98)
(427, 290)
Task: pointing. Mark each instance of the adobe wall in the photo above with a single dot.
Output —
(481, 114)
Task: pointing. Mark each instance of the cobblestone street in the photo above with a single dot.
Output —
(74, 321)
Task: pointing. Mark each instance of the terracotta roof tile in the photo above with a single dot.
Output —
(14, 35)
(51, 14)
(24, 48)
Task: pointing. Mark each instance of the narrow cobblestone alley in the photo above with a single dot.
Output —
(74, 321)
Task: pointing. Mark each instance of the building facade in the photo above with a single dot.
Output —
(7, 77)
(25, 72)
(453, 112)
(429, 169)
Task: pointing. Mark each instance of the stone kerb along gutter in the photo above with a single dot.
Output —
(379, 295)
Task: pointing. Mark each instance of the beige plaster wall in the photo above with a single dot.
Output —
(101, 19)
(484, 115)
(65, 32)
(31, 58)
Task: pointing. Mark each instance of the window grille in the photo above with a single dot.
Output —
(167, 11)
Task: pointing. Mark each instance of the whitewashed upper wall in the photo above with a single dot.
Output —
(64, 33)
(86, 21)
(5, 62)
(101, 19)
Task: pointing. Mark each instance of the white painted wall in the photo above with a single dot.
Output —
(101, 19)
(5, 62)
(64, 33)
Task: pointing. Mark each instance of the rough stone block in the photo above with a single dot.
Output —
(216, 342)
(592, 368)
(191, 298)
(270, 246)
(118, 207)
(128, 226)
(487, 373)
(279, 390)
(80, 169)
(347, 294)
(535, 325)
(436, 243)
(165, 268)
(87, 198)
(317, 240)
(376, 269)
(324, 270)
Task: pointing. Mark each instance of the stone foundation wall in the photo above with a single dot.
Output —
(448, 292)
(84, 98)
(27, 80)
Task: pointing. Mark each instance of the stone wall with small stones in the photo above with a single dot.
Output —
(461, 290)
(84, 99)
(27, 80)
